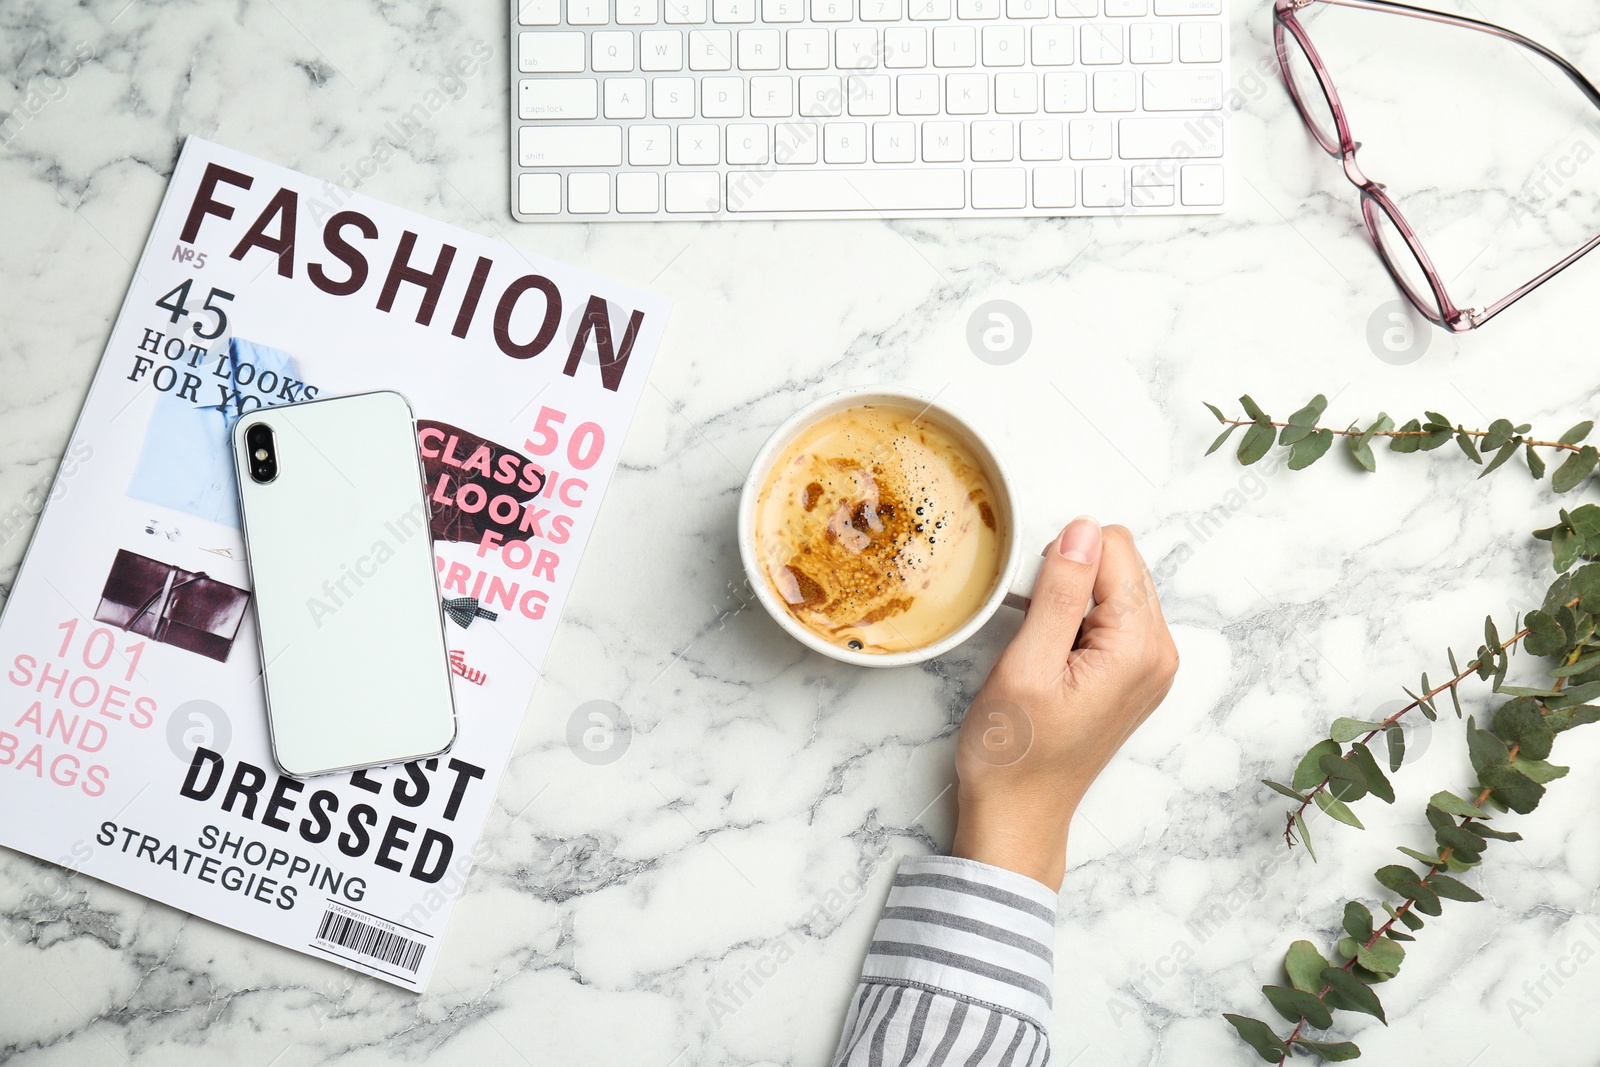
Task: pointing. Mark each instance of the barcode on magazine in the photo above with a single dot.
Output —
(370, 940)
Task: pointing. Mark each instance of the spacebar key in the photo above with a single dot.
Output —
(839, 190)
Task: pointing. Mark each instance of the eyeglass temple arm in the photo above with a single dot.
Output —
(1573, 74)
(1481, 317)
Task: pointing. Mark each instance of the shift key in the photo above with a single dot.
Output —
(569, 146)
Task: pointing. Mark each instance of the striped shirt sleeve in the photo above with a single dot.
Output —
(958, 973)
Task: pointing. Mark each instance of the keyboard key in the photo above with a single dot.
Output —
(1041, 139)
(808, 49)
(855, 49)
(1100, 45)
(588, 12)
(1200, 42)
(953, 46)
(611, 51)
(649, 146)
(690, 192)
(544, 52)
(1182, 90)
(1003, 47)
(637, 13)
(966, 94)
(1198, 138)
(844, 142)
(539, 13)
(722, 98)
(796, 142)
(539, 194)
(589, 193)
(1104, 187)
(1066, 92)
(917, 94)
(993, 141)
(569, 146)
(1126, 8)
(1055, 187)
(1016, 94)
(1077, 9)
(894, 142)
(1150, 42)
(832, 10)
(699, 144)
(759, 49)
(1188, 7)
(661, 50)
(710, 50)
(733, 10)
(867, 191)
(881, 10)
(558, 98)
(674, 98)
(686, 11)
(747, 142)
(905, 46)
(783, 10)
(821, 94)
(1000, 187)
(1115, 90)
(1152, 196)
(625, 98)
(1089, 138)
(930, 9)
(1202, 184)
(1027, 9)
(1052, 46)
(772, 97)
(944, 142)
(977, 9)
(867, 94)
(638, 193)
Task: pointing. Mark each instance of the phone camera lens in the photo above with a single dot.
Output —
(263, 453)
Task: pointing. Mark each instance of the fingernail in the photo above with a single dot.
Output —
(1080, 541)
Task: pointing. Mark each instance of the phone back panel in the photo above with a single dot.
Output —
(351, 628)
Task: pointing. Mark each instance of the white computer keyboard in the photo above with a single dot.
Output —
(784, 109)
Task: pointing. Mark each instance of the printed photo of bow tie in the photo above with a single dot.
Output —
(465, 609)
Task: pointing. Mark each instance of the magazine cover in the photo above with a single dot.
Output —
(133, 733)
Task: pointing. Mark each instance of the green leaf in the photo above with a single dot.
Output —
(1383, 956)
(1397, 745)
(1363, 454)
(1512, 788)
(1527, 691)
(1332, 1051)
(1564, 548)
(1338, 809)
(1257, 441)
(1577, 433)
(1348, 729)
(1436, 419)
(1302, 422)
(1411, 919)
(1304, 965)
(1419, 856)
(1346, 782)
(1578, 666)
(1285, 790)
(1465, 441)
(1577, 694)
(1305, 836)
(1402, 880)
(1377, 784)
(1566, 718)
(1399, 935)
(1539, 770)
(1485, 749)
(1448, 802)
(1545, 635)
(1461, 843)
(1259, 1036)
(1519, 722)
(1215, 411)
(1305, 452)
(1309, 773)
(1404, 444)
(1437, 437)
(1535, 462)
(1348, 947)
(1498, 435)
(1358, 920)
(1451, 889)
(1250, 408)
(1491, 634)
(1296, 1004)
(1222, 439)
(1480, 830)
(1426, 900)
(1577, 467)
(1355, 993)
(1503, 453)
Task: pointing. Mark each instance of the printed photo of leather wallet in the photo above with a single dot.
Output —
(163, 602)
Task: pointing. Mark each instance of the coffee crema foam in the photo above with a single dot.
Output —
(879, 530)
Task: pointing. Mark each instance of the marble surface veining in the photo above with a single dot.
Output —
(664, 909)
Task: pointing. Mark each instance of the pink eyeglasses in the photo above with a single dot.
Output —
(1318, 103)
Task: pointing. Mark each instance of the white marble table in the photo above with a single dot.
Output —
(663, 909)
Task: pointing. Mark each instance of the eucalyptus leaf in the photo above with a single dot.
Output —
(1503, 453)
(1468, 448)
(1297, 1004)
(1222, 439)
(1310, 773)
(1285, 790)
(1358, 920)
(1519, 722)
(1347, 729)
(1257, 441)
(1383, 956)
(1539, 770)
(1356, 993)
(1577, 433)
(1451, 889)
(1396, 737)
(1215, 410)
(1419, 856)
(1512, 788)
(1332, 1051)
(1345, 779)
(1377, 784)
(1304, 965)
(1575, 469)
(1535, 462)
(1338, 809)
(1447, 801)
(1305, 835)
(1259, 1036)
(1250, 408)
(1308, 450)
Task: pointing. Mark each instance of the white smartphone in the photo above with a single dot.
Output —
(347, 604)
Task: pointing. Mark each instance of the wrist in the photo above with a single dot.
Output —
(1030, 845)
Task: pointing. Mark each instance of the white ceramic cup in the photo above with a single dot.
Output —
(1012, 584)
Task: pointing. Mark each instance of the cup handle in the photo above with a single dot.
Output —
(1021, 594)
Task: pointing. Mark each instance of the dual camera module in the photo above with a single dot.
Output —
(263, 453)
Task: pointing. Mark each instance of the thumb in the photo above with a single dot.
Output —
(1060, 596)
